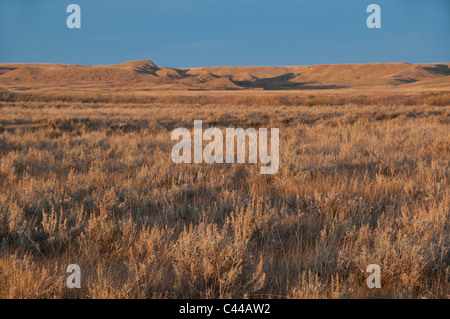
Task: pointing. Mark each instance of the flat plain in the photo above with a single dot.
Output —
(86, 178)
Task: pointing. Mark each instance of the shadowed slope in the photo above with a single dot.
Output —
(144, 75)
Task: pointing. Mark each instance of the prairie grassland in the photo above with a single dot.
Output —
(93, 184)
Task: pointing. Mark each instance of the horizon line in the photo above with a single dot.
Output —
(227, 66)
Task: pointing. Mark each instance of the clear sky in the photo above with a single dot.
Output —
(191, 33)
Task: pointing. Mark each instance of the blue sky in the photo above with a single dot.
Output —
(191, 33)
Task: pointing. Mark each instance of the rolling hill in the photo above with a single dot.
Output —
(145, 76)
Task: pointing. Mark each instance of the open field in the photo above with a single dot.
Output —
(92, 183)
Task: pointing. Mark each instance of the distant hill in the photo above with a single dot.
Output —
(145, 76)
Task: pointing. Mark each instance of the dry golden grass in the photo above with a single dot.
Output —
(93, 184)
(143, 76)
